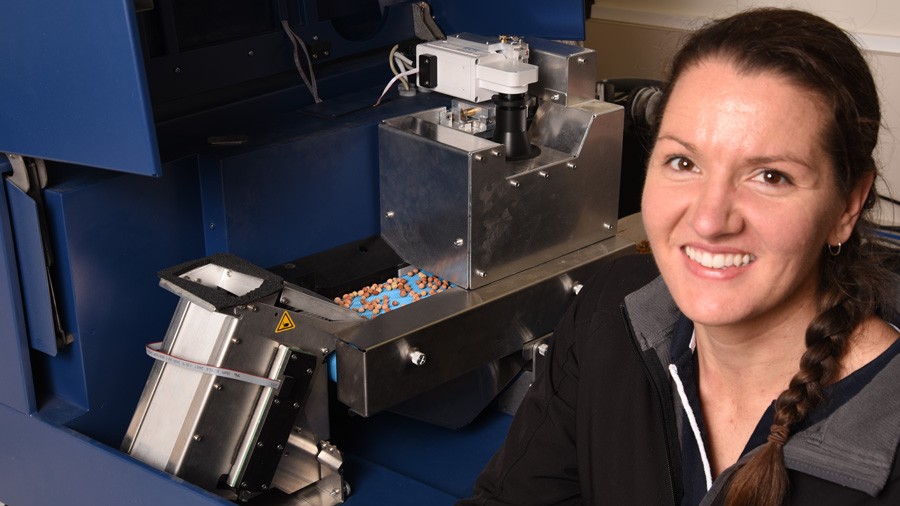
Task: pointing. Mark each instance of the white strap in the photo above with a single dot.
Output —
(153, 351)
(693, 421)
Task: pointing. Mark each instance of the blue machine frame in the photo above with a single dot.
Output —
(74, 91)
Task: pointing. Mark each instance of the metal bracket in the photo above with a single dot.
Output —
(312, 473)
(23, 168)
(30, 176)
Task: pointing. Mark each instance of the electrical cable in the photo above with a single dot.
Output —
(297, 42)
(391, 57)
(392, 81)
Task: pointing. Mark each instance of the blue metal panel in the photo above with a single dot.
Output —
(294, 200)
(212, 195)
(72, 86)
(36, 293)
(46, 465)
(444, 459)
(558, 20)
(111, 234)
(16, 388)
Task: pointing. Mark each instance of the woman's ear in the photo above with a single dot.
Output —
(852, 208)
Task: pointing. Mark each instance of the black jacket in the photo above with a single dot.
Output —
(600, 425)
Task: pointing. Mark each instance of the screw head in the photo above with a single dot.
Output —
(198, 437)
(417, 357)
(458, 242)
(389, 214)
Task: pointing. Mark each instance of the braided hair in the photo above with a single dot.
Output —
(817, 56)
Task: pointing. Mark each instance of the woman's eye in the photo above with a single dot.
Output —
(772, 177)
(681, 163)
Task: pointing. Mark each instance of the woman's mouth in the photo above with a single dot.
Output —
(719, 260)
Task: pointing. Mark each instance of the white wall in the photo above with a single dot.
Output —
(635, 38)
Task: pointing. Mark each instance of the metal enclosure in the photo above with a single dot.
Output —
(453, 204)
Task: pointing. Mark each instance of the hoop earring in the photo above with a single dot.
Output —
(834, 252)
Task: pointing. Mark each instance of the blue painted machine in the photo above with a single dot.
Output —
(144, 134)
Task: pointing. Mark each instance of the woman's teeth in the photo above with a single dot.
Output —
(718, 261)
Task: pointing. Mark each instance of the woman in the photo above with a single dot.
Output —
(760, 367)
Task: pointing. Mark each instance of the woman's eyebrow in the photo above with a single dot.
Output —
(763, 160)
(670, 137)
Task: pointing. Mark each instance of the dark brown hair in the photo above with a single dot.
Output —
(818, 56)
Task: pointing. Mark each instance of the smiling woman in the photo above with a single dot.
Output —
(759, 368)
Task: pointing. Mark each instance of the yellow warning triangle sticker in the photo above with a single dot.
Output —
(285, 323)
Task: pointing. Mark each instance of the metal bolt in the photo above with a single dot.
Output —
(198, 437)
(389, 214)
(458, 242)
(297, 406)
(12, 156)
(217, 387)
(280, 447)
(264, 486)
(315, 56)
(481, 274)
(177, 70)
(335, 492)
(607, 226)
(543, 174)
(325, 351)
(577, 288)
(315, 37)
(514, 183)
(554, 97)
(325, 53)
(417, 357)
(235, 340)
(276, 402)
(542, 349)
(581, 60)
(212, 226)
(252, 307)
(309, 371)
(479, 158)
(294, 356)
(571, 165)
(284, 300)
(260, 444)
(496, 153)
(244, 484)
(228, 273)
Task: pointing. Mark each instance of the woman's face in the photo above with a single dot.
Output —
(740, 197)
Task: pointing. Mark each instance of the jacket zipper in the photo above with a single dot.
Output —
(659, 398)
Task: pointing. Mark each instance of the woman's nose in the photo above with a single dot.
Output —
(714, 212)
